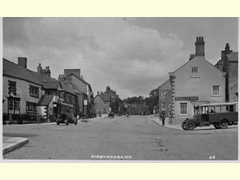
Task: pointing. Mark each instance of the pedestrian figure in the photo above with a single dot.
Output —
(163, 117)
(100, 114)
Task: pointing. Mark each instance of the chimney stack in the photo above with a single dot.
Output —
(61, 78)
(191, 56)
(47, 71)
(22, 61)
(199, 44)
(39, 69)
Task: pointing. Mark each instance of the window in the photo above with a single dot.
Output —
(183, 108)
(195, 72)
(12, 88)
(16, 105)
(163, 95)
(216, 90)
(30, 106)
(13, 104)
(61, 95)
(33, 91)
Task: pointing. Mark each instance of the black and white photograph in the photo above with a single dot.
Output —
(120, 89)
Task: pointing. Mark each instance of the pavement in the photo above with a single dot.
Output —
(12, 143)
(155, 118)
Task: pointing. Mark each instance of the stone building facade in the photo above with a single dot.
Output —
(194, 83)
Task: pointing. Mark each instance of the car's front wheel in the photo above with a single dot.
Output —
(190, 125)
(184, 126)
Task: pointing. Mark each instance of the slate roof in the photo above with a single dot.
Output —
(45, 100)
(42, 78)
(105, 97)
(232, 56)
(19, 72)
(67, 88)
(51, 85)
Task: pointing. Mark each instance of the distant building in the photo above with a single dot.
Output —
(229, 64)
(111, 99)
(195, 83)
(102, 103)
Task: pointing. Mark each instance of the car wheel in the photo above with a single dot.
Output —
(216, 125)
(190, 125)
(184, 126)
(223, 124)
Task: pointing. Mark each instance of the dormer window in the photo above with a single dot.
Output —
(195, 72)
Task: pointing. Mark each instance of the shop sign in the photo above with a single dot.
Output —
(190, 98)
(85, 102)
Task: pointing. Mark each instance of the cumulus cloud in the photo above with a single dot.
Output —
(109, 51)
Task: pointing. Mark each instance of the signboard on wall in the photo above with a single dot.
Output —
(190, 98)
(85, 102)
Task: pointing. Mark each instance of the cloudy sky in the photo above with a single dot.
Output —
(131, 55)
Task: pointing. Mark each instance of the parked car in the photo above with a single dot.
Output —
(220, 115)
(66, 118)
(111, 114)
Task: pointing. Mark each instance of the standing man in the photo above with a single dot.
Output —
(163, 117)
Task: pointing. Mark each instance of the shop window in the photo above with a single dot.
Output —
(216, 90)
(183, 108)
(195, 72)
(33, 91)
(12, 88)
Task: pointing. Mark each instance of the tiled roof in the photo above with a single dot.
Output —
(233, 56)
(16, 71)
(45, 100)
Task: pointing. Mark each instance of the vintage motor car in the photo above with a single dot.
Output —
(220, 115)
(111, 114)
(66, 118)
